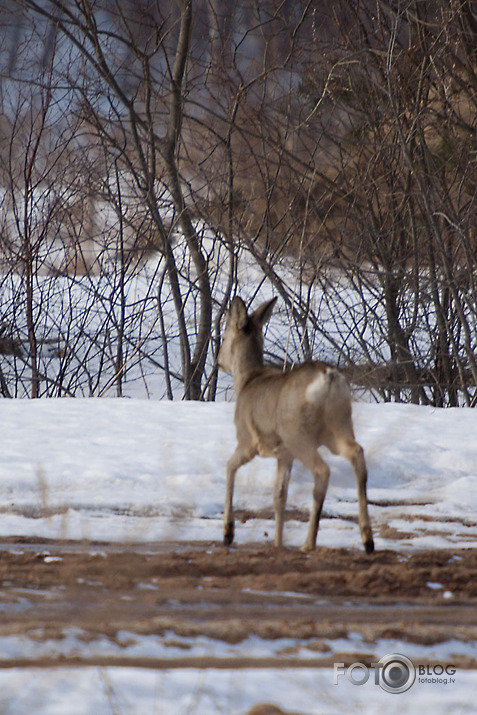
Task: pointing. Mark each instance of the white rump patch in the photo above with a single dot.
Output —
(318, 390)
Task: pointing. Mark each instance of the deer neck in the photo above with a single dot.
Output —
(244, 369)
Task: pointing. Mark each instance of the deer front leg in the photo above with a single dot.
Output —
(284, 466)
(238, 458)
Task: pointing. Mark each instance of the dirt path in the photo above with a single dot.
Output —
(50, 588)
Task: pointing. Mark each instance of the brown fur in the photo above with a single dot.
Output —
(287, 416)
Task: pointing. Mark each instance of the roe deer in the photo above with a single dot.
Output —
(287, 415)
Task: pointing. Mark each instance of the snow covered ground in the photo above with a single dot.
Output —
(137, 470)
(170, 646)
(129, 691)
(143, 471)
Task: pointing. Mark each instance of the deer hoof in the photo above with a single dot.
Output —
(369, 546)
(229, 534)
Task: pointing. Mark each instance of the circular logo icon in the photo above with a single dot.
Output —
(397, 673)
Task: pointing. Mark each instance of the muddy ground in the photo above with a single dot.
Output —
(202, 589)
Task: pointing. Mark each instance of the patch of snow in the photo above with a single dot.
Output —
(139, 471)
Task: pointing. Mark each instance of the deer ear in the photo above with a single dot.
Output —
(263, 313)
(238, 312)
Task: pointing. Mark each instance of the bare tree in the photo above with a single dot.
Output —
(331, 143)
(381, 132)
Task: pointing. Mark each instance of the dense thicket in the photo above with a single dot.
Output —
(336, 138)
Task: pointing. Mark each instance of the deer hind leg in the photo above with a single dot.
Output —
(321, 477)
(239, 457)
(284, 465)
(353, 452)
